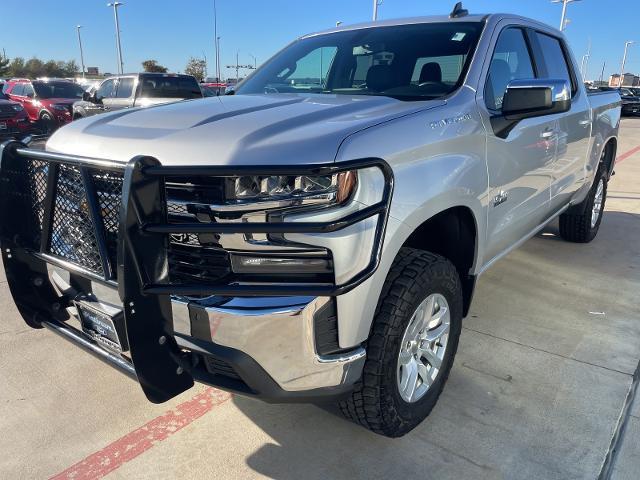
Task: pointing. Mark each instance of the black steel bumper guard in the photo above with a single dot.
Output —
(143, 284)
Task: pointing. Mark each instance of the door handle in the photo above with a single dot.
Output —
(547, 134)
(584, 123)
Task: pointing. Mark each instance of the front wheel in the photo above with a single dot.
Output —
(410, 350)
(582, 227)
(47, 124)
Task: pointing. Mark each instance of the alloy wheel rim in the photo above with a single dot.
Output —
(423, 347)
(597, 203)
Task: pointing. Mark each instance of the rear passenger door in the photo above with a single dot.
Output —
(519, 164)
(573, 128)
(29, 102)
(123, 95)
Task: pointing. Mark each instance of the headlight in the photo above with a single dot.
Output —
(62, 108)
(17, 107)
(335, 188)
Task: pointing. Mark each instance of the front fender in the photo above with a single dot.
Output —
(438, 163)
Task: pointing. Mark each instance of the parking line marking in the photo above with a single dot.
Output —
(133, 444)
(626, 155)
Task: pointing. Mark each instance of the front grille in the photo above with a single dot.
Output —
(37, 174)
(7, 111)
(109, 192)
(192, 258)
(73, 234)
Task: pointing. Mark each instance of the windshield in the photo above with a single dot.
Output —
(409, 62)
(157, 86)
(58, 90)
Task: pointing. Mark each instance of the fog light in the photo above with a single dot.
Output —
(275, 265)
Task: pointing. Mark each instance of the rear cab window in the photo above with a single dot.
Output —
(160, 86)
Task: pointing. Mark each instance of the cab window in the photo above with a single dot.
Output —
(28, 90)
(105, 90)
(125, 88)
(17, 89)
(555, 59)
(511, 60)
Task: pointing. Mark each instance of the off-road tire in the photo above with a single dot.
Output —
(376, 403)
(575, 224)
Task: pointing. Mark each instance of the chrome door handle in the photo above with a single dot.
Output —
(547, 134)
(584, 123)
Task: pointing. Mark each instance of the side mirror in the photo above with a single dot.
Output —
(534, 98)
(86, 96)
(531, 98)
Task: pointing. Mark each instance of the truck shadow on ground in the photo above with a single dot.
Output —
(503, 413)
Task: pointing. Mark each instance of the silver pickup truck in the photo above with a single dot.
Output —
(317, 235)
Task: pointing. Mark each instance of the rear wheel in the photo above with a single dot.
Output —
(583, 226)
(411, 347)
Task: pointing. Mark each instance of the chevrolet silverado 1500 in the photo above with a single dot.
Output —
(317, 235)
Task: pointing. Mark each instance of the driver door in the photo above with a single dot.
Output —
(520, 164)
(104, 95)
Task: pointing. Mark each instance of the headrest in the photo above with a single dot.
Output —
(431, 72)
(379, 78)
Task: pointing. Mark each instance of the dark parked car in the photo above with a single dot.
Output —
(48, 103)
(630, 102)
(137, 90)
(14, 121)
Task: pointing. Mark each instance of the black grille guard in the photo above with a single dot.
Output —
(143, 284)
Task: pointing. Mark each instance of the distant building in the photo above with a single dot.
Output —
(628, 80)
(93, 71)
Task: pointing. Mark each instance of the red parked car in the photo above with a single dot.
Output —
(14, 121)
(48, 103)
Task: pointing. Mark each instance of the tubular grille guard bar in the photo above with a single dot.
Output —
(154, 171)
(381, 209)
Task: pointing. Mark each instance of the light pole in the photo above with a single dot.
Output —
(217, 38)
(376, 4)
(218, 72)
(624, 60)
(585, 61)
(78, 27)
(564, 3)
(255, 61)
(115, 6)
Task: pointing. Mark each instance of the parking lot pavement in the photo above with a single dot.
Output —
(545, 366)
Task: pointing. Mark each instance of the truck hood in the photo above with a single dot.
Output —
(232, 130)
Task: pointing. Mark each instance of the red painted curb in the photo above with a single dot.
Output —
(626, 155)
(133, 444)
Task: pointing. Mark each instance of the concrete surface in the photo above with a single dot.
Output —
(627, 466)
(544, 368)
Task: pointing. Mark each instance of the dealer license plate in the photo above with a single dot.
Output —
(106, 328)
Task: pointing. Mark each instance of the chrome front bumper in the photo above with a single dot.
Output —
(277, 332)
